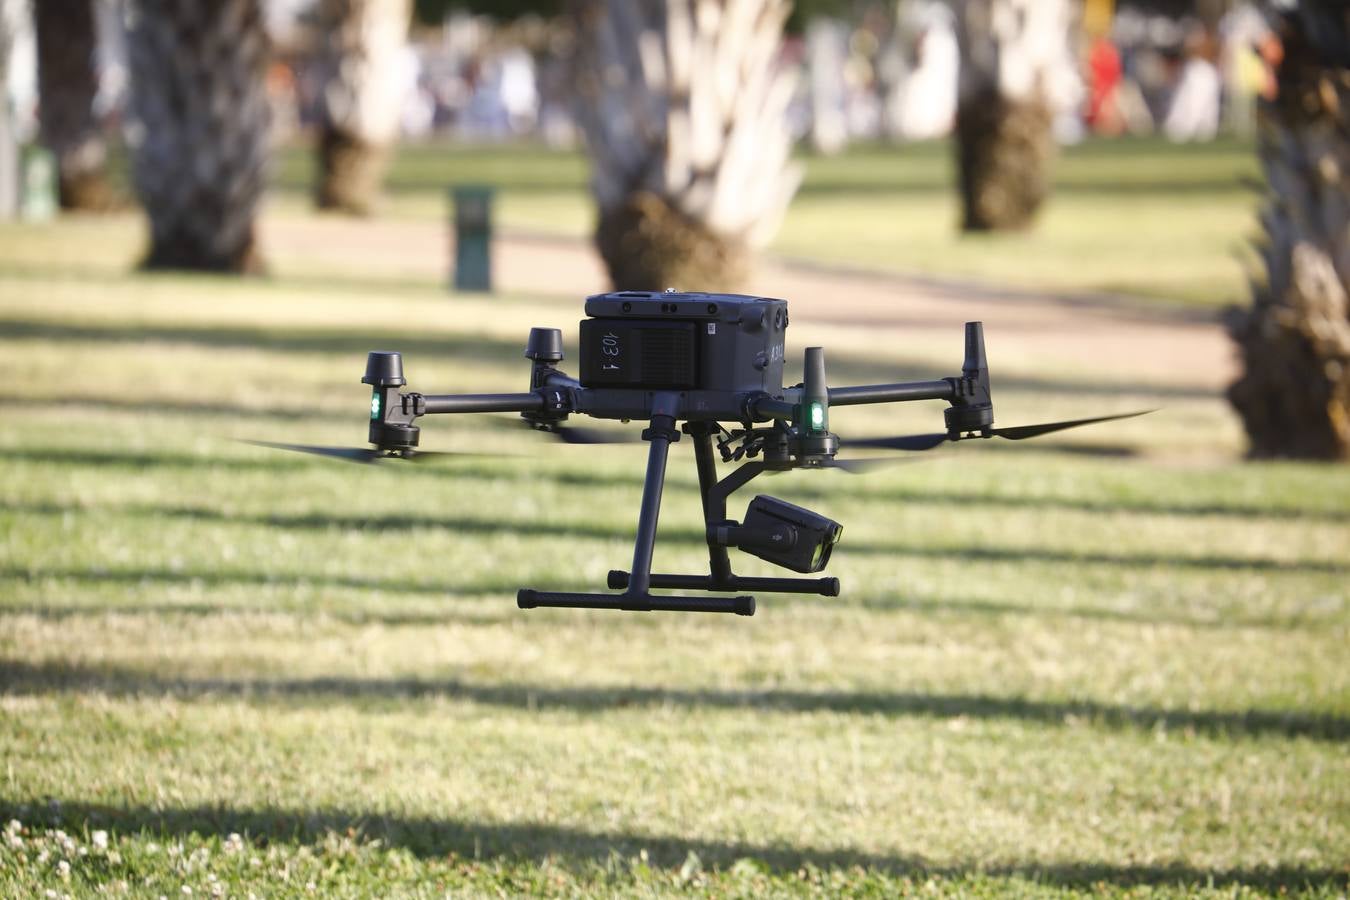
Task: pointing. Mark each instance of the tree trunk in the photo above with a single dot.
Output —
(1294, 393)
(684, 111)
(361, 98)
(200, 101)
(9, 141)
(67, 83)
(1017, 71)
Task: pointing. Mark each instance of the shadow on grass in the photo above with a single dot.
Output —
(396, 584)
(692, 537)
(409, 340)
(522, 842)
(19, 678)
(632, 477)
(429, 837)
(380, 614)
(175, 408)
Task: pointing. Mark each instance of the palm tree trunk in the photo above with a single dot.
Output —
(1016, 73)
(683, 109)
(1294, 393)
(200, 100)
(9, 141)
(361, 98)
(67, 83)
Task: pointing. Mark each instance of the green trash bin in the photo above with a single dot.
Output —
(37, 184)
(473, 237)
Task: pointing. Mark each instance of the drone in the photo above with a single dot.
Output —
(689, 363)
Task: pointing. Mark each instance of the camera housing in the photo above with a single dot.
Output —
(786, 534)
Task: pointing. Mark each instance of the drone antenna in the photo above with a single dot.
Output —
(815, 395)
(976, 361)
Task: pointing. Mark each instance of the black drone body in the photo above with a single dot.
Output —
(687, 363)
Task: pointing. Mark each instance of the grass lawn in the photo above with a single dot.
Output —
(225, 669)
(1138, 217)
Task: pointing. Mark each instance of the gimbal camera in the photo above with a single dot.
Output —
(696, 361)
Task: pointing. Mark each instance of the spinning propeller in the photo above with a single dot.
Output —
(369, 454)
(1015, 433)
(579, 434)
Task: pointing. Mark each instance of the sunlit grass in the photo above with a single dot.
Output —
(1106, 662)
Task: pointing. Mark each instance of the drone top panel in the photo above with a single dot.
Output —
(649, 340)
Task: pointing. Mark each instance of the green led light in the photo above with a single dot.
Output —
(817, 416)
(375, 405)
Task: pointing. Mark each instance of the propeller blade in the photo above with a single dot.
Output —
(347, 454)
(579, 434)
(862, 466)
(1022, 432)
(370, 454)
(905, 442)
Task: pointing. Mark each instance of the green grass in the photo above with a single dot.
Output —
(1112, 663)
(1135, 217)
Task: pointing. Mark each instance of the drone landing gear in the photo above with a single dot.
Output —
(637, 584)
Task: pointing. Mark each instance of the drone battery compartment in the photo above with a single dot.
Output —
(637, 353)
(719, 344)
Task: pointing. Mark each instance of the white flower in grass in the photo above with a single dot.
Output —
(234, 843)
(13, 826)
(100, 839)
(187, 891)
(63, 869)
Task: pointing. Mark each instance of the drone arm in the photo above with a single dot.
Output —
(893, 393)
(482, 403)
(772, 408)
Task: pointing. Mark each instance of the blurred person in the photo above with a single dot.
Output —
(1105, 73)
(1246, 75)
(284, 96)
(1194, 112)
(826, 52)
(925, 102)
(517, 88)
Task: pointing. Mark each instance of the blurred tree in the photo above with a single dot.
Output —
(1294, 393)
(1016, 70)
(683, 110)
(199, 98)
(9, 140)
(67, 83)
(361, 101)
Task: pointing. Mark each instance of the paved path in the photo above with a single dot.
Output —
(1119, 339)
